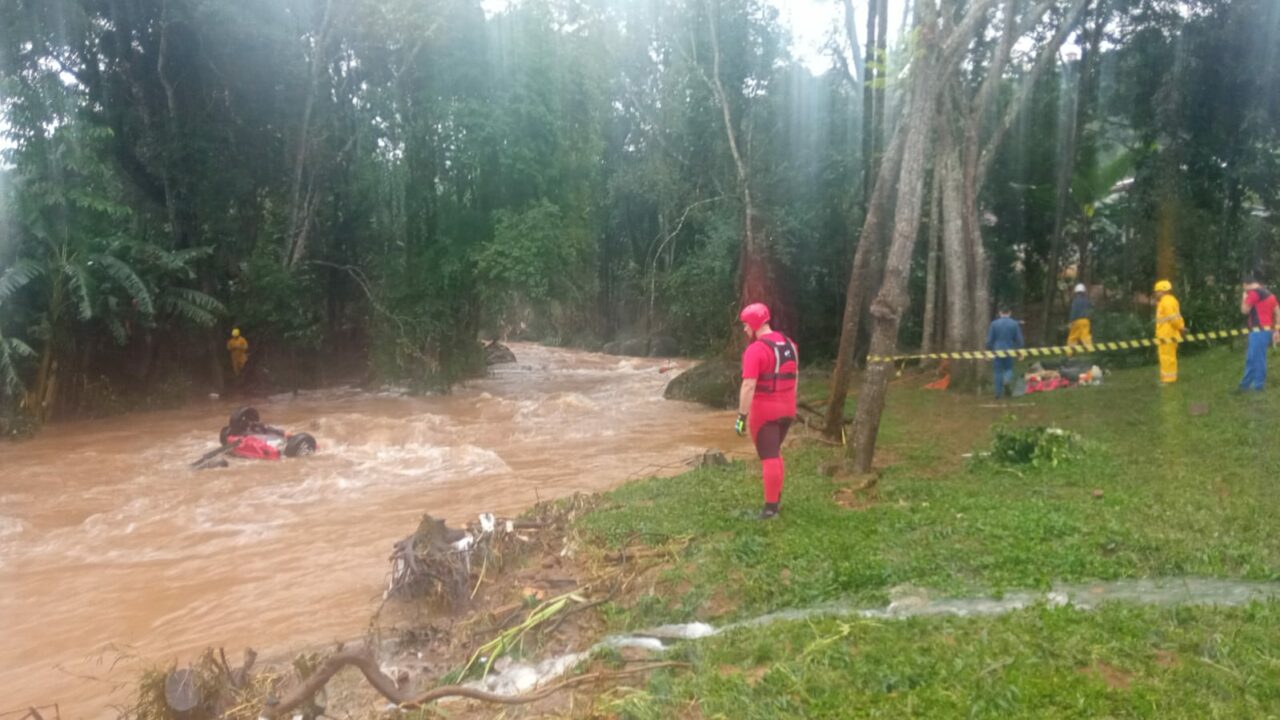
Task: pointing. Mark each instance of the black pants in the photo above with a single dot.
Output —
(769, 438)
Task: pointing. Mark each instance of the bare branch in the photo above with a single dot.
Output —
(1047, 54)
(653, 263)
(960, 36)
(995, 73)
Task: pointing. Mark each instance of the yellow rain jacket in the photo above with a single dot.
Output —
(1169, 324)
(239, 349)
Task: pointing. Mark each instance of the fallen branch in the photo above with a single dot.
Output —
(363, 661)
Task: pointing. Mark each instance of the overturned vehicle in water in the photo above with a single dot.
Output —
(246, 436)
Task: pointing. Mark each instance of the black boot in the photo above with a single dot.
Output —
(769, 512)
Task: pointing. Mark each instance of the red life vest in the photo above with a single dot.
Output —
(786, 368)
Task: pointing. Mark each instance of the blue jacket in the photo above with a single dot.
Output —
(1004, 334)
(1079, 307)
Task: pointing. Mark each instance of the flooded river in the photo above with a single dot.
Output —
(113, 552)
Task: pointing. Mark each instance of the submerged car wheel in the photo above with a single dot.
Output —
(300, 445)
(242, 419)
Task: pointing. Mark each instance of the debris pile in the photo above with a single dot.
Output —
(447, 564)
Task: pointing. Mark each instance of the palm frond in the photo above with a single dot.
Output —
(190, 255)
(18, 347)
(167, 260)
(10, 378)
(18, 275)
(117, 330)
(191, 306)
(81, 284)
(201, 300)
(119, 271)
(148, 251)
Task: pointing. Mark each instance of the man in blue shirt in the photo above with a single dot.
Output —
(1004, 334)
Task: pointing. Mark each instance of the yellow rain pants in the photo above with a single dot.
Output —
(239, 349)
(1169, 324)
(1081, 333)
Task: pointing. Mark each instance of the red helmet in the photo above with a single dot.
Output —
(754, 315)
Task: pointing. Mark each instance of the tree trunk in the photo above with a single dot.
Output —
(756, 281)
(892, 300)
(1066, 166)
(302, 202)
(980, 277)
(858, 287)
(882, 59)
(869, 107)
(859, 74)
(37, 406)
(956, 263)
(177, 193)
(931, 268)
(1086, 96)
(1066, 163)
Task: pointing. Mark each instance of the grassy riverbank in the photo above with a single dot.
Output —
(1172, 482)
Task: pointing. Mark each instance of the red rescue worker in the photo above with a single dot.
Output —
(767, 400)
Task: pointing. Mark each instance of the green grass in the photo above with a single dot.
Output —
(1184, 493)
(1038, 663)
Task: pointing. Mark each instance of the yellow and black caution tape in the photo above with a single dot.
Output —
(1069, 349)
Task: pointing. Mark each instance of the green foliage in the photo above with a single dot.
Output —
(1112, 325)
(388, 178)
(275, 301)
(12, 352)
(1034, 446)
(700, 294)
(536, 262)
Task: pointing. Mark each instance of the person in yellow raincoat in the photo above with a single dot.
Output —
(1169, 325)
(1080, 332)
(239, 349)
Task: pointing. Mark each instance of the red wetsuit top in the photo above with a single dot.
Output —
(773, 361)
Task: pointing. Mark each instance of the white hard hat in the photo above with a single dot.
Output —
(1081, 288)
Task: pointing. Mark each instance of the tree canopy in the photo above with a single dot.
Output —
(375, 184)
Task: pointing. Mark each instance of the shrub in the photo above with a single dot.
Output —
(1035, 446)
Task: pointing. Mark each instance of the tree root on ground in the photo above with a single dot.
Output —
(362, 659)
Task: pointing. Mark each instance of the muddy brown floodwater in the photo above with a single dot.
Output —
(115, 556)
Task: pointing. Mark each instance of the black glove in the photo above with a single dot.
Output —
(740, 426)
